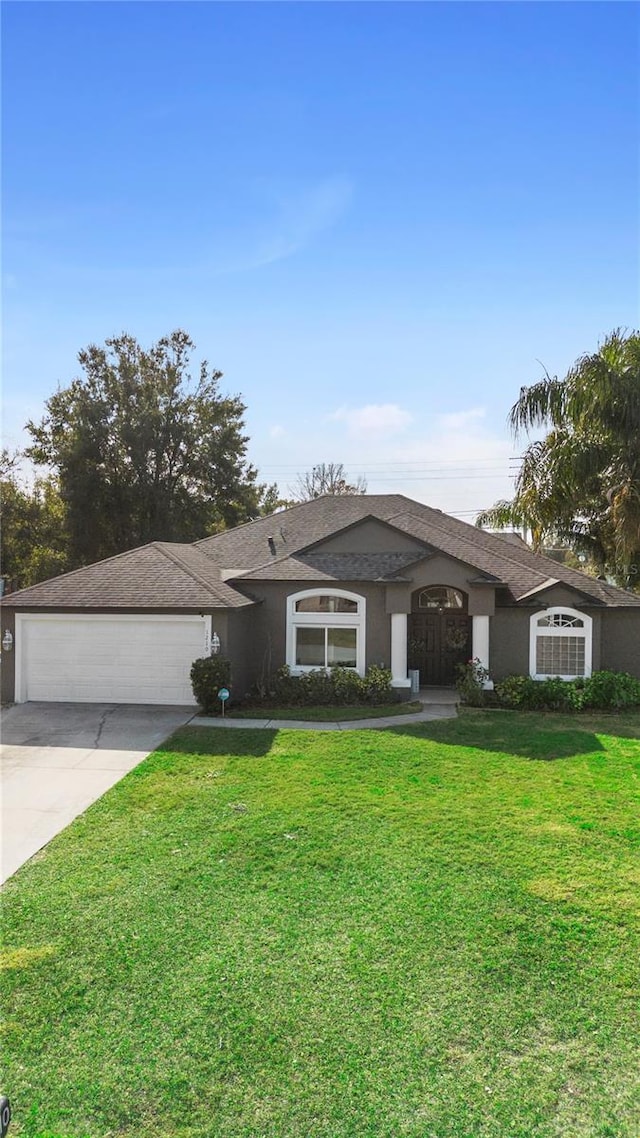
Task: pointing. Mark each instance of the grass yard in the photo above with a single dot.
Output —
(430, 931)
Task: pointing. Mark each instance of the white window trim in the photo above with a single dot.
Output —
(326, 620)
(586, 632)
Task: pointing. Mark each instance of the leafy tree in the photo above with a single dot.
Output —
(144, 453)
(326, 478)
(272, 501)
(581, 482)
(33, 539)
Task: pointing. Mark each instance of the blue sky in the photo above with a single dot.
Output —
(373, 218)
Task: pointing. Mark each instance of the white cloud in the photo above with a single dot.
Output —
(456, 461)
(461, 420)
(301, 216)
(373, 419)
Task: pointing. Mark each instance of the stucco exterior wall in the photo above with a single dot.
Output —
(621, 641)
(441, 570)
(509, 632)
(245, 647)
(509, 643)
(270, 633)
(559, 595)
(8, 621)
(370, 537)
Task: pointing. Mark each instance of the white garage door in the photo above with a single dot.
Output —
(107, 659)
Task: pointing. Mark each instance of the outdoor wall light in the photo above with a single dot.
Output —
(7, 641)
(215, 644)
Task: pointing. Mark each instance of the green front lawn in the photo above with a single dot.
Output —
(430, 931)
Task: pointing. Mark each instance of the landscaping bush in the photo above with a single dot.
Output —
(512, 691)
(339, 686)
(346, 685)
(376, 686)
(208, 675)
(603, 691)
(470, 683)
(554, 694)
(611, 690)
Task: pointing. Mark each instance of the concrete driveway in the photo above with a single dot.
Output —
(58, 758)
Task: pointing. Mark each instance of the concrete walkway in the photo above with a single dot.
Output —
(58, 758)
(438, 703)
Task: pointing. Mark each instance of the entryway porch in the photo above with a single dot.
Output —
(437, 635)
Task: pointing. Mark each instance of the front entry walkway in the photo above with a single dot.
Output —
(438, 703)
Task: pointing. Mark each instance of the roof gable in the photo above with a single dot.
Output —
(367, 535)
(297, 528)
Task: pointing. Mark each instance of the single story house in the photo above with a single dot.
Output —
(354, 580)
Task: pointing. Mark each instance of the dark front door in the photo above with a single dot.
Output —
(438, 641)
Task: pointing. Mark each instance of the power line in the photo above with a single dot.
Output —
(432, 477)
(434, 465)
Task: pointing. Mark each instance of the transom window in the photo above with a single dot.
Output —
(441, 597)
(325, 602)
(560, 620)
(325, 629)
(560, 644)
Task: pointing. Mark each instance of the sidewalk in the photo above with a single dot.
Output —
(438, 703)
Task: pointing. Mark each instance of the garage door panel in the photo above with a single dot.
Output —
(114, 660)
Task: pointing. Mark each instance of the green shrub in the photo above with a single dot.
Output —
(470, 683)
(316, 686)
(338, 686)
(611, 690)
(602, 691)
(347, 686)
(512, 691)
(376, 685)
(554, 694)
(208, 675)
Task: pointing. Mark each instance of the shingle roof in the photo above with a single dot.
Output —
(333, 567)
(246, 546)
(512, 563)
(520, 569)
(159, 575)
(175, 576)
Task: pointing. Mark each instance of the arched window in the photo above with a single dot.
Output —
(560, 644)
(441, 597)
(325, 628)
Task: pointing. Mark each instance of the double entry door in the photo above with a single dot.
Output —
(438, 642)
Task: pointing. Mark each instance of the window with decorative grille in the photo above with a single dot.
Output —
(560, 644)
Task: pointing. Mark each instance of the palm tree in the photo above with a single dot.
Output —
(581, 482)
